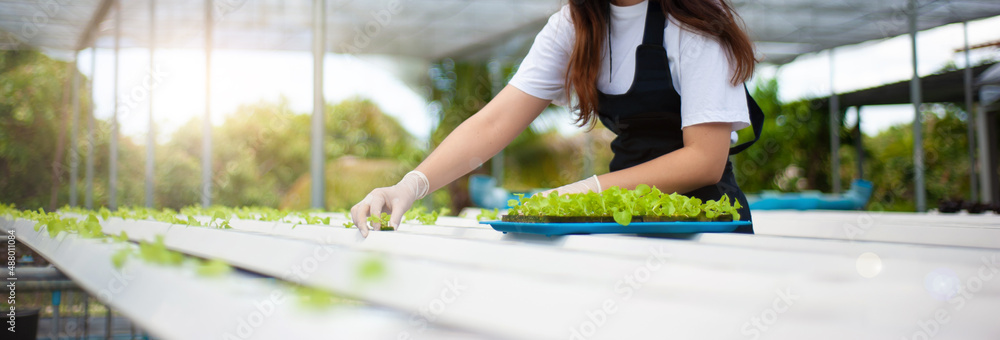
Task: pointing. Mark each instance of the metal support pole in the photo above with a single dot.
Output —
(68, 296)
(834, 131)
(918, 124)
(56, 301)
(206, 132)
(74, 153)
(107, 323)
(970, 113)
(859, 145)
(496, 79)
(318, 157)
(86, 315)
(88, 200)
(113, 157)
(151, 133)
(985, 158)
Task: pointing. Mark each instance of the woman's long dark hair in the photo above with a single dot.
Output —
(714, 18)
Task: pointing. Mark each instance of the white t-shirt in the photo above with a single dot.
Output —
(699, 67)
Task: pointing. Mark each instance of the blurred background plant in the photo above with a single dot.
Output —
(538, 157)
(793, 153)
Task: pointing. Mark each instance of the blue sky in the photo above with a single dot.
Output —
(244, 77)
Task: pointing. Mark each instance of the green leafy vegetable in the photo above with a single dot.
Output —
(371, 269)
(428, 219)
(420, 215)
(121, 256)
(213, 267)
(89, 226)
(622, 217)
(122, 237)
(157, 252)
(316, 298)
(382, 221)
(623, 205)
(487, 214)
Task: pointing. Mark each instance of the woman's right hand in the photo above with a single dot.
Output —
(476, 139)
(397, 199)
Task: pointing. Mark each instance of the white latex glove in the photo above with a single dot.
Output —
(397, 199)
(589, 184)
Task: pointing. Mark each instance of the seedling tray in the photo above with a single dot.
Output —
(608, 219)
(567, 228)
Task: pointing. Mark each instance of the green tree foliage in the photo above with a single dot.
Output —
(260, 153)
(365, 149)
(257, 153)
(31, 107)
(459, 90)
(348, 180)
(548, 159)
(34, 111)
(534, 158)
(34, 116)
(795, 135)
(891, 168)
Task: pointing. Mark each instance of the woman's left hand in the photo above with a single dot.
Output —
(589, 184)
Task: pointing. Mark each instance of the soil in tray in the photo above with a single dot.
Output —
(606, 219)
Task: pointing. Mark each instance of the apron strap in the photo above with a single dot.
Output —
(756, 121)
(653, 35)
(655, 24)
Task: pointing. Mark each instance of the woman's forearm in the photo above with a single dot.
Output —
(481, 136)
(672, 172)
(465, 149)
(700, 162)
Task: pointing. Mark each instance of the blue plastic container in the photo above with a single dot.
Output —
(550, 229)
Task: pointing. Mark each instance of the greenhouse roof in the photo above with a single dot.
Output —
(944, 87)
(434, 29)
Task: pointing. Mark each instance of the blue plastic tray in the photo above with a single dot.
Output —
(615, 228)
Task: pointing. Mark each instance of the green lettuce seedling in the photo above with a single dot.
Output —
(382, 220)
(420, 215)
(488, 214)
(623, 205)
(213, 267)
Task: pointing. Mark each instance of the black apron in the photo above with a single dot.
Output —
(647, 119)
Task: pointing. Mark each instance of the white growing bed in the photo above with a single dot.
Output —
(528, 287)
(175, 303)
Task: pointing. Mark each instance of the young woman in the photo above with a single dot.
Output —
(629, 63)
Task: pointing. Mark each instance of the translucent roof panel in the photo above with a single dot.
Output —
(430, 29)
(785, 29)
(433, 29)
